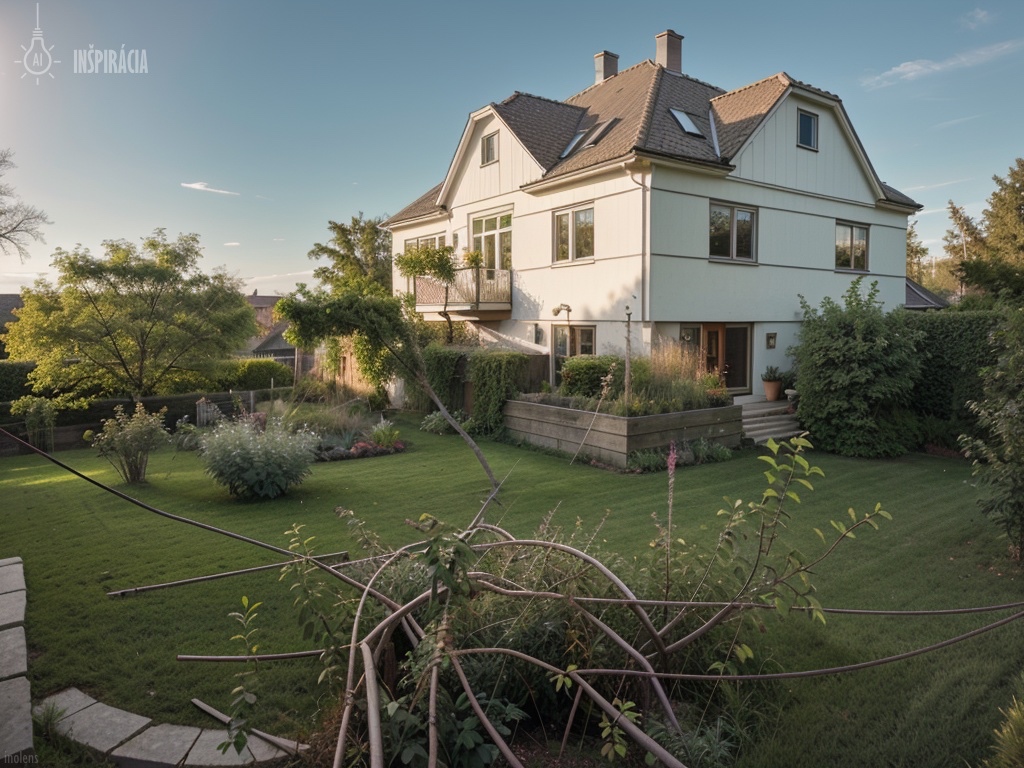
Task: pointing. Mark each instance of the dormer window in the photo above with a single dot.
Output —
(807, 130)
(489, 149)
(686, 122)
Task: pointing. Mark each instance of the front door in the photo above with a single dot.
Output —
(727, 350)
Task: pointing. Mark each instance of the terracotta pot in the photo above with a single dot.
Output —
(772, 390)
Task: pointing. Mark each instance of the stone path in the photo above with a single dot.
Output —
(126, 739)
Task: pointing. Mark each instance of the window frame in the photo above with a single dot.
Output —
(813, 117)
(436, 240)
(572, 234)
(501, 253)
(572, 334)
(489, 149)
(733, 209)
(852, 227)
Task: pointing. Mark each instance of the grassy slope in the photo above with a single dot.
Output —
(77, 544)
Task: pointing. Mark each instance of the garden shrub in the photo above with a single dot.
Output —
(497, 376)
(384, 433)
(126, 441)
(14, 379)
(436, 424)
(255, 373)
(40, 416)
(583, 375)
(256, 464)
(857, 366)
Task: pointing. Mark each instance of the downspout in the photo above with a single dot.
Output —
(645, 244)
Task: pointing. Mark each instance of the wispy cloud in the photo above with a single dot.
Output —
(278, 239)
(976, 18)
(957, 121)
(232, 244)
(202, 186)
(938, 185)
(915, 70)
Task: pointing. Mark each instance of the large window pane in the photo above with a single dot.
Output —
(505, 249)
(562, 237)
(744, 235)
(860, 248)
(720, 240)
(584, 233)
(844, 246)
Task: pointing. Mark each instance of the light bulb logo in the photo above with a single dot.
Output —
(38, 58)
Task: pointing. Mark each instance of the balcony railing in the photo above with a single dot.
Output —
(475, 289)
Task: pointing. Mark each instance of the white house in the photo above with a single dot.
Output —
(702, 213)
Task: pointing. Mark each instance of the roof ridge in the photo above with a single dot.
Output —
(644, 127)
(780, 76)
(609, 79)
(516, 94)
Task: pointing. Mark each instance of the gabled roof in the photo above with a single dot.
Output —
(631, 114)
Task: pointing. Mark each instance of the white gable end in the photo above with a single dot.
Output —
(835, 169)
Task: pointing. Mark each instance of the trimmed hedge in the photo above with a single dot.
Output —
(255, 373)
(14, 379)
(497, 376)
(581, 375)
(954, 348)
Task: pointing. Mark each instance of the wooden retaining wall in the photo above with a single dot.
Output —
(612, 438)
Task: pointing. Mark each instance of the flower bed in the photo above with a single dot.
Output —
(610, 439)
(361, 450)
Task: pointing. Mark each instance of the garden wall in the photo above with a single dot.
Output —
(612, 438)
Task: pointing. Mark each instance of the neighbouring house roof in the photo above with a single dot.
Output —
(919, 297)
(631, 112)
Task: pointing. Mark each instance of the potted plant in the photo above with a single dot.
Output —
(772, 380)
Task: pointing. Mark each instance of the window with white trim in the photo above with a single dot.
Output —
(489, 148)
(574, 234)
(732, 232)
(851, 246)
(492, 239)
(427, 241)
(807, 130)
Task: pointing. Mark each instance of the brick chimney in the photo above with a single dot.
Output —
(606, 64)
(669, 51)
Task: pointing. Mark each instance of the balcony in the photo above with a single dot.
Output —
(478, 293)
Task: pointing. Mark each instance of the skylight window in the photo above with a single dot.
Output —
(572, 144)
(686, 122)
(587, 138)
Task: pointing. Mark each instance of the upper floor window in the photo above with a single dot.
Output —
(492, 238)
(851, 246)
(489, 148)
(574, 234)
(732, 232)
(807, 130)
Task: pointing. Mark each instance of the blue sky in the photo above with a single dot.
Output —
(258, 121)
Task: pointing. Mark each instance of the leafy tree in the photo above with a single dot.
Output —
(359, 256)
(998, 452)
(916, 253)
(130, 322)
(856, 367)
(990, 254)
(19, 222)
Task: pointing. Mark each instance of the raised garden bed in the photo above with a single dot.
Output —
(612, 438)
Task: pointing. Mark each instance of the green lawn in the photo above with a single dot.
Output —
(79, 543)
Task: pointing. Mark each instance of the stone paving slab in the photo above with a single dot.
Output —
(157, 747)
(12, 576)
(16, 722)
(101, 727)
(13, 653)
(12, 609)
(205, 753)
(67, 702)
